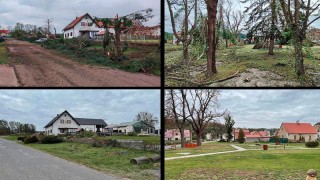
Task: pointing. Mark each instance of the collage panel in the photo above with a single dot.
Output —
(241, 134)
(101, 43)
(233, 43)
(80, 134)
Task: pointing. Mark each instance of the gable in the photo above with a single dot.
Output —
(64, 113)
(78, 20)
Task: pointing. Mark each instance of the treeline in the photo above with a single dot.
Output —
(13, 127)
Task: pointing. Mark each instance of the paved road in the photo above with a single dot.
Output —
(18, 162)
(39, 67)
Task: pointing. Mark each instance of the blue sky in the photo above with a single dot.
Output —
(61, 11)
(40, 106)
(269, 108)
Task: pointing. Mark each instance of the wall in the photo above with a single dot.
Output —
(57, 124)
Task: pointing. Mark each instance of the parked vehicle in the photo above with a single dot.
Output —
(2, 39)
(42, 40)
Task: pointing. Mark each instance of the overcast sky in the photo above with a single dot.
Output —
(237, 5)
(61, 11)
(269, 108)
(40, 106)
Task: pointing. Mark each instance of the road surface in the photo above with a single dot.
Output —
(18, 162)
(39, 67)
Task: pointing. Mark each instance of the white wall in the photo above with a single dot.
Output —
(89, 127)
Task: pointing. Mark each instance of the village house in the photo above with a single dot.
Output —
(174, 135)
(84, 26)
(4, 32)
(65, 123)
(139, 127)
(317, 126)
(298, 132)
(141, 31)
(254, 136)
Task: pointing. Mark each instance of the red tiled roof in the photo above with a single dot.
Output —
(4, 31)
(236, 133)
(74, 22)
(299, 128)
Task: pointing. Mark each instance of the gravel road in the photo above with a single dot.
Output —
(18, 162)
(39, 67)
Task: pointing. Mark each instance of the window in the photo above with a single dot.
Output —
(83, 24)
(51, 131)
(309, 137)
(65, 115)
(68, 121)
(65, 35)
(295, 137)
(70, 35)
(62, 121)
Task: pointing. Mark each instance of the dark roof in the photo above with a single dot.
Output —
(79, 121)
(54, 119)
(86, 121)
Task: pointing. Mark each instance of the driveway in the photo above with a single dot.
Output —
(18, 162)
(39, 67)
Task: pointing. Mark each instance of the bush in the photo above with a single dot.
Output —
(30, 139)
(86, 134)
(312, 144)
(21, 138)
(51, 139)
(132, 134)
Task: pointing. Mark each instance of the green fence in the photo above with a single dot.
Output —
(281, 140)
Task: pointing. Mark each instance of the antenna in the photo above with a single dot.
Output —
(75, 11)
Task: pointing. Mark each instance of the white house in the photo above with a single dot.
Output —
(64, 123)
(84, 26)
(138, 127)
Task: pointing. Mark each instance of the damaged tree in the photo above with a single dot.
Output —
(297, 20)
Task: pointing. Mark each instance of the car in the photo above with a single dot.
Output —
(2, 39)
(42, 40)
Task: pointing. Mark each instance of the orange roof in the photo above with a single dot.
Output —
(299, 128)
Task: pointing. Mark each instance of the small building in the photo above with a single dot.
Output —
(298, 132)
(4, 32)
(317, 126)
(138, 127)
(84, 26)
(258, 136)
(64, 123)
(174, 135)
(236, 133)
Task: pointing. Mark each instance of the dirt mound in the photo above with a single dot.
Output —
(257, 78)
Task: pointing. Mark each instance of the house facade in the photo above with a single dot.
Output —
(4, 32)
(175, 135)
(83, 26)
(317, 126)
(138, 127)
(65, 123)
(298, 132)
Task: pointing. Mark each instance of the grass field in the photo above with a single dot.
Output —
(241, 58)
(107, 159)
(3, 53)
(251, 164)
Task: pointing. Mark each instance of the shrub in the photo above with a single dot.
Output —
(132, 134)
(241, 138)
(86, 134)
(312, 144)
(30, 139)
(51, 139)
(21, 138)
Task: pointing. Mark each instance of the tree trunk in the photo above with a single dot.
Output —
(273, 26)
(299, 66)
(199, 139)
(185, 51)
(182, 137)
(226, 43)
(212, 13)
(117, 43)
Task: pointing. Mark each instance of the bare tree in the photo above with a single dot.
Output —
(176, 109)
(297, 20)
(203, 106)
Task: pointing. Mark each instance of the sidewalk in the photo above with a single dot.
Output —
(8, 77)
(207, 154)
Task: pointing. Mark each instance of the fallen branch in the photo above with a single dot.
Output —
(224, 79)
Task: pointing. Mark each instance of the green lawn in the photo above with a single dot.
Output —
(241, 58)
(110, 160)
(205, 148)
(252, 164)
(3, 53)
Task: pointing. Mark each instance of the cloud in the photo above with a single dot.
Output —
(36, 12)
(269, 108)
(40, 106)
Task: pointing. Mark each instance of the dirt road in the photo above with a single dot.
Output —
(39, 67)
